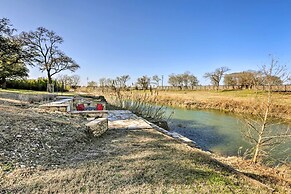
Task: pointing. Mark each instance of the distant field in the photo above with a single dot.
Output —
(238, 101)
(242, 95)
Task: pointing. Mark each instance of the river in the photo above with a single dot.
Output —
(215, 131)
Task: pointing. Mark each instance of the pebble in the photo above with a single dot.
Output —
(18, 136)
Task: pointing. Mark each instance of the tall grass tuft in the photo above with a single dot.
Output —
(138, 104)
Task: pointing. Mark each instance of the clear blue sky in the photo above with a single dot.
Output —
(146, 37)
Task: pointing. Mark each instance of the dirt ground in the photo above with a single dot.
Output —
(44, 152)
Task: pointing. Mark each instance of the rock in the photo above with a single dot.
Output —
(162, 124)
(98, 126)
(90, 119)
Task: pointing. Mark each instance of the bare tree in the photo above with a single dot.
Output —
(156, 80)
(69, 81)
(121, 81)
(143, 82)
(175, 80)
(188, 79)
(44, 45)
(91, 84)
(64, 80)
(183, 80)
(245, 79)
(102, 82)
(74, 81)
(261, 132)
(110, 83)
(230, 80)
(216, 76)
(193, 81)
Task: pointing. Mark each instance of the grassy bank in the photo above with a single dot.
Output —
(43, 152)
(240, 101)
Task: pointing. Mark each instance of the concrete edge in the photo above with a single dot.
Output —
(177, 136)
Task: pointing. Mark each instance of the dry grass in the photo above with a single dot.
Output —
(242, 101)
(125, 161)
(133, 161)
(120, 161)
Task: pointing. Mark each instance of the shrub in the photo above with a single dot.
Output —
(39, 84)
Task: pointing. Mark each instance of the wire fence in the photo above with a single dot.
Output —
(275, 88)
(278, 88)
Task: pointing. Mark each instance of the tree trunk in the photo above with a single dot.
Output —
(262, 131)
(217, 87)
(50, 85)
(49, 77)
(3, 83)
(258, 145)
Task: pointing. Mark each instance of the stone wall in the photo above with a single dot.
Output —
(98, 126)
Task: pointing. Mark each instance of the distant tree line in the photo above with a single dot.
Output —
(186, 80)
(39, 84)
(183, 80)
(121, 82)
(216, 76)
(69, 82)
(249, 79)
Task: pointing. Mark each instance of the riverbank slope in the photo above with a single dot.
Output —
(51, 152)
(239, 101)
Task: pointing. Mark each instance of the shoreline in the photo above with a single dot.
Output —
(229, 103)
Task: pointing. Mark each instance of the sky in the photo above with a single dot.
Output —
(111, 38)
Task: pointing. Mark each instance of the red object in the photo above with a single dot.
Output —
(80, 107)
(99, 107)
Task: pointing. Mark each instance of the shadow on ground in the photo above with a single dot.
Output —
(121, 160)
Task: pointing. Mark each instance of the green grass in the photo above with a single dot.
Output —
(7, 167)
(23, 91)
(20, 91)
(242, 93)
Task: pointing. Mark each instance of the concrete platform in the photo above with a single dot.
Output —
(124, 119)
(99, 113)
(98, 126)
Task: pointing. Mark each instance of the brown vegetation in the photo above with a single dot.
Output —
(240, 101)
(121, 160)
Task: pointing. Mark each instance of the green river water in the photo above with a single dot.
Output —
(216, 131)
